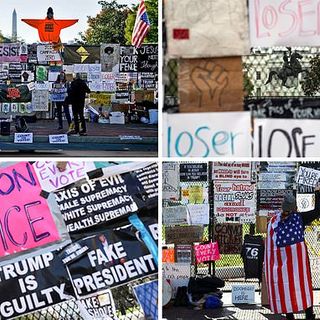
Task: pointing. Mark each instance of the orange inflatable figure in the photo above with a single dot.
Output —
(49, 28)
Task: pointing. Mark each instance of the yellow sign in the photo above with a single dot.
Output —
(83, 53)
(196, 194)
(100, 99)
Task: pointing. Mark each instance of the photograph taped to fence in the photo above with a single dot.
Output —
(62, 223)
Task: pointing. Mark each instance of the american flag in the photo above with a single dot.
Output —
(141, 26)
(287, 265)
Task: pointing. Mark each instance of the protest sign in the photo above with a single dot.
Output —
(58, 139)
(286, 138)
(284, 23)
(128, 59)
(46, 53)
(214, 84)
(273, 177)
(95, 202)
(305, 202)
(178, 274)
(77, 54)
(193, 33)
(9, 52)
(243, 294)
(308, 176)
(23, 137)
(170, 180)
(115, 257)
(196, 194)
(100, 306)
(206, 252)
(58, 92)
(40, 100)
(273, 185)
(168, 255)
(100, 99)
(231, 171)
(174, 215)
(22, 204)
(183, 253)
(207, 134)
(193, 172)
(198, 214)
(234, 202)
(50, 178)
(33, 283)
(229, 237)
(109, 54)
(147, 296)
(183, 234)
(148, 58)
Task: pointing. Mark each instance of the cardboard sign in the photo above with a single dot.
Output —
(23, 137)
(26, 220)
(33, 284)
(174, 215)
(229, 237)
(243, 294)
(51, 178)
(207, 252)
(279, 138)
(58, 139)
(234, 202)
(232, 171)
(214, 84)
(284, 23)
(9, 52)
(178, 274)
(207, 134)
(170, 180)
(192, 32)
(46, 53)
(183, 235)
(308, 176)
(193, 172)
(198, 214)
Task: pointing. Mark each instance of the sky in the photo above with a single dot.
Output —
(35, 9)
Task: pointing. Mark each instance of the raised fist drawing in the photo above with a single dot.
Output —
(210, 79)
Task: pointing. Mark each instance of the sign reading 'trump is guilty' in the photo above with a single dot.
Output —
(95, 202)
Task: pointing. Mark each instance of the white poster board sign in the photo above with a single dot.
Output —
(177, 274)
(284, 23)
(46, 53)
(307, 176)
(174, 215)
(198, 214)
(286, 138)
(40, 100)
(243, 294)
(214, 134)
(232, 170)
(305, 202)
(23, 137)
(207, 28)
(58, 139)
(170, 180)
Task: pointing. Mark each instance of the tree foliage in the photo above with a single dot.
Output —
(311, 82)
(152, 11)
(108, 26)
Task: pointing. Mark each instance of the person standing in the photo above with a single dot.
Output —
(61, 86)
(77, 94)
(287, 267)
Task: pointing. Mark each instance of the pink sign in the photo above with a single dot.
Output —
(25, 218)
(9, 52)
(207, 252)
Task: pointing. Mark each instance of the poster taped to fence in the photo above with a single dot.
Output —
(26, 220)
(305, 202)
(40, 100)
(32, 284)
(229, 237)
(207, 134)
(184, 234)
(308, 177)
(115, 257)
(231, 171)
(234, 202)
(193, 172)
(206, 252)
(207, 85)
(51, 178)
(275, 23)
(193, 31)
(279, 138)
(10, 52)
(170, 181)
(174, 215)
(198, 214)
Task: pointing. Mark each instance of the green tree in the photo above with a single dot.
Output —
(108, 26)
(311, 82)
(152, 11)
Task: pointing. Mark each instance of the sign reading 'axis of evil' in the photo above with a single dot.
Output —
(25, 218)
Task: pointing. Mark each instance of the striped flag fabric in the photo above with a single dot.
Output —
(287, 267)
(141, 26)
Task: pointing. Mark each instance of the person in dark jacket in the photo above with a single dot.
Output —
(77, 94)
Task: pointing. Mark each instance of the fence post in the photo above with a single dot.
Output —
(211, 212)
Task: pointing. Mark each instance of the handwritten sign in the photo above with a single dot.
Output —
(58, 139)
(308, 176)
(214, 84)
(284, 23)
(279, 138)
(183, 235)
(207, 134)
(193, 33)
(26, 220)
(170, 180)
(23, 137)
(174, 215)
(50, 178)
(178, 274)
(40, 100)
(198, 214)
(229, 237)
(243, 294)
(231, 171)
(206, 252)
